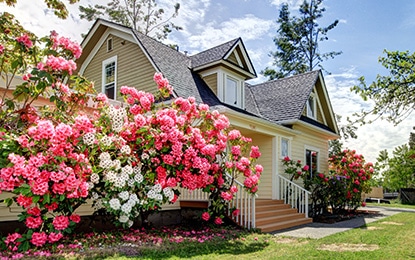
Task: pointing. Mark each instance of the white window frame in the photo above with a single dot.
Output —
(239, 90)
(104, 83)
(312, 149)
(312, 111)
(110, 44)
(282, 155)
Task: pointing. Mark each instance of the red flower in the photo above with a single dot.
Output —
(60, 222)
(205, 216)
(75, 218)
(39, 238)
(32, 222)
(235, 212)
(218, 221)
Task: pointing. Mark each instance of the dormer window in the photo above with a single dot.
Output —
(311, 106)
(231, 91)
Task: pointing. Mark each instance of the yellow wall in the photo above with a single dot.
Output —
(133, 67)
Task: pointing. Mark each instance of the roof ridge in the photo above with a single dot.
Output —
(287, 78)
(217, 46)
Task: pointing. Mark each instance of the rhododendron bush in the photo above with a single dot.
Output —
(341, 188)
(129, 159)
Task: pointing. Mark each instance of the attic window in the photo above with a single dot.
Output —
(109, 44)
(311, 106)
(109, 77)
(231, 91)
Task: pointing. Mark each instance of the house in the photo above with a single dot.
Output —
(286, 117)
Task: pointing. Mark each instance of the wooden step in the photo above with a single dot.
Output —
(194, 204)
(279, 218)
(284, 224)
(273, 215)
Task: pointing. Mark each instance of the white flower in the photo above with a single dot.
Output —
(167, 191)
(115, 204)
(95, 196)
(111, 176)
(138, 178)
(123, 219)
(124, 195)
(90, 185)
(98, 204)
(106, 140)
(157, 188)
(137, 169)
(94, 178)
(171, 196)
(127, 170)
(130, 182)
(152, 151)
(158, 197)
(105, 160)
(125, 149)
(151, 194)
(119, 183)
(89, 138)
(126, 208)
(145, 156)
(130, 223)
(116, 164)
(134, 197)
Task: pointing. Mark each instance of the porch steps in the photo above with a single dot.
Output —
(273, 215)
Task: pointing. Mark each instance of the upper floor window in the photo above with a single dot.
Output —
(231, 91)
(311, 106)
(109, 77)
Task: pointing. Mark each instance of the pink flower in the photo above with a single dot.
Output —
(102, 97)
(25, 40)
(259, 168)
(355, 190)
(60, 222)
(287, 159)
(218, 221)
(233, 189)
(55, 237)
(234, 134)
(75, 218)
(33, 222)
(363, 204)
(39, 238)
(205, 216)
(35, 211)
(306, 167)
(226, 196)
(255, 153)
(236, 150)
(1, 49)
(24, 201)
(235, 212)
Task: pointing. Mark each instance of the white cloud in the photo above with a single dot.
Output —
(210, 34)
(293, 4)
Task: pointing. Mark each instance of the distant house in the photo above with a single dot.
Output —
(286, 117)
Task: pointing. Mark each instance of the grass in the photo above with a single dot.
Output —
(390, 238)
(394, 204)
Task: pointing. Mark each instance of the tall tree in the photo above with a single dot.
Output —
(400, 172)
(393, 94)
(142, 15)
(298, 41)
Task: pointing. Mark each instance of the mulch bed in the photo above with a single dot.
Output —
(334, 218)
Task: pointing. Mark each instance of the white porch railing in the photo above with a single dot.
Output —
(243, 201)
(293, 194)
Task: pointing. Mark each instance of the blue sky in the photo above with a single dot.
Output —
(365, 29)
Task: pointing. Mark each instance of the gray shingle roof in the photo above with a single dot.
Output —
(216, 53)
(283, 99)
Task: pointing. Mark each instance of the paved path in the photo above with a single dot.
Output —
(319, 230)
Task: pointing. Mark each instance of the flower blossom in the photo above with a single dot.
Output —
(25, 40)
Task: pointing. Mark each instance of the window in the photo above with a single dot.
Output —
(109, 75)
(311, 106)
(311, 158)
(285, 142)
(109, 44)
(231, 91)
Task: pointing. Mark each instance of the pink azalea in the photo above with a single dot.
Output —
(255, 153)
(205, 216)
(60, 222)
(25, 40)
(218, 221)
(39, 238)
(226, 196)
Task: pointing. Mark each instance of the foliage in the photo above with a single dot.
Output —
(57, 6)
(341, 188)
(141, 15)
(393, 94)
(130, 160)
(298, 41)
(398, 170)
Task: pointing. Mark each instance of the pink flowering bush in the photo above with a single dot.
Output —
(130, 160)
(341, 188)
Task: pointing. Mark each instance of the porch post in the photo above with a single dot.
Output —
(275, 179)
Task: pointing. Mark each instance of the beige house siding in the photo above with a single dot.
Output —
(133, 67)
(232, 58)
(265, 146)
(212, 81)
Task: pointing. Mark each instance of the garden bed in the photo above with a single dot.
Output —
(334, 218)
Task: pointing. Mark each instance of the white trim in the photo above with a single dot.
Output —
(274, 169)
(103, 83)
(110, 44)
(314, 108)
(289, 139)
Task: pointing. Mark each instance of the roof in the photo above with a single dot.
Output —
(283, 99)
(216, 53)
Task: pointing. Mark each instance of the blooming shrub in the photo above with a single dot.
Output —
(341, 188)
(130, 160)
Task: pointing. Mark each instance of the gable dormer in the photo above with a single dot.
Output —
(224, 69)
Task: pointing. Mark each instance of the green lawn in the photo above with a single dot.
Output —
(389, 238)
(394, 204)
